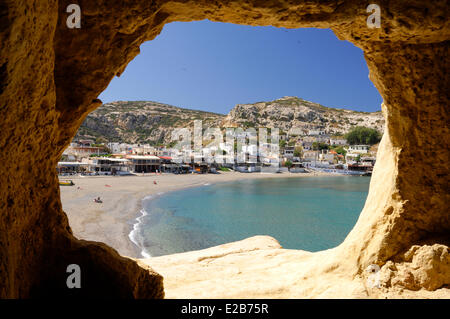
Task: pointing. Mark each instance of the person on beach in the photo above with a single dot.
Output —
(154, 182)
(98, 200)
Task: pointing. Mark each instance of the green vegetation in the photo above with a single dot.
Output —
(224, 169)
(100, 155)
(247, 124)
(319, 146)
(169, 120)
(339, 150)
(287, 102)
(282, 143)
(172, 144)
(288, 164)
(298, 151)
(363, 135)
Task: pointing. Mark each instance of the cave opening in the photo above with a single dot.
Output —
(407, 203)
(205, 68)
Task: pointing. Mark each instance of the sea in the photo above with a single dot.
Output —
(307, 213)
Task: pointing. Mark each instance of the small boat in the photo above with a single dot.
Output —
(66, 183)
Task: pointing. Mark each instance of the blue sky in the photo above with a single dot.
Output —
(214, 66)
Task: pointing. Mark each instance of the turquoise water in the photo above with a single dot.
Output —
(309, 213)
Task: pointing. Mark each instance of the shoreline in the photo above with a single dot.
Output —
(113, 221)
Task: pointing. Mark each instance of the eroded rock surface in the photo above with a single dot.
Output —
(422, 267)
(258, 267)
(51, 76)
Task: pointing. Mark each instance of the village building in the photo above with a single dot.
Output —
(338, 141)
(144, 163)
(143, 150)
(316, 132)
(358, 149)
(307, 146)
(289, 152)
(327, 157)
(310, 155)
(69, 168)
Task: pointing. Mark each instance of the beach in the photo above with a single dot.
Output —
(256, 267)
(112, 220)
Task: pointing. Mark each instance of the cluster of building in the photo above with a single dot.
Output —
(358, 159)
(296, 155)
(86, 157)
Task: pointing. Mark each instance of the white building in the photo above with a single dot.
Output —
(144, 163)
(355, 151)
(289, 152)
(327, 157)
(143, 150)
(338, 141)
(358, 149)
(114, 147)
(311, 155)
(316, 132)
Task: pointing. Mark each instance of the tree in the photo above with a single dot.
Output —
(172, 144)
(340, 150)
(288, 164)
(282, 143)
(319, 146)
(100, 140)
(298, 151)
(363, 135)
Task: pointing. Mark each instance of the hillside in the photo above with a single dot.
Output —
(295, 115)
(141, 121)
(152, 122)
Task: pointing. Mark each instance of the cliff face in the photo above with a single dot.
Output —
(142, 122)
(51, 76)
(292, 114)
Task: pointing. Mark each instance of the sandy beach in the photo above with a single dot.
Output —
(112, 221)
(256, 267)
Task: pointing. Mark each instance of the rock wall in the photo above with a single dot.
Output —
(36, 243)
(51, 76)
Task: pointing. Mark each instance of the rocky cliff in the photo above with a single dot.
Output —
(294, 115)
(153, 122)
(141, 121)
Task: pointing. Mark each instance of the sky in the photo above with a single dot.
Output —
(213, 66)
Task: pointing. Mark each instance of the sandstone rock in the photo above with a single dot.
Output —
(51, 76)
(422, 267)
